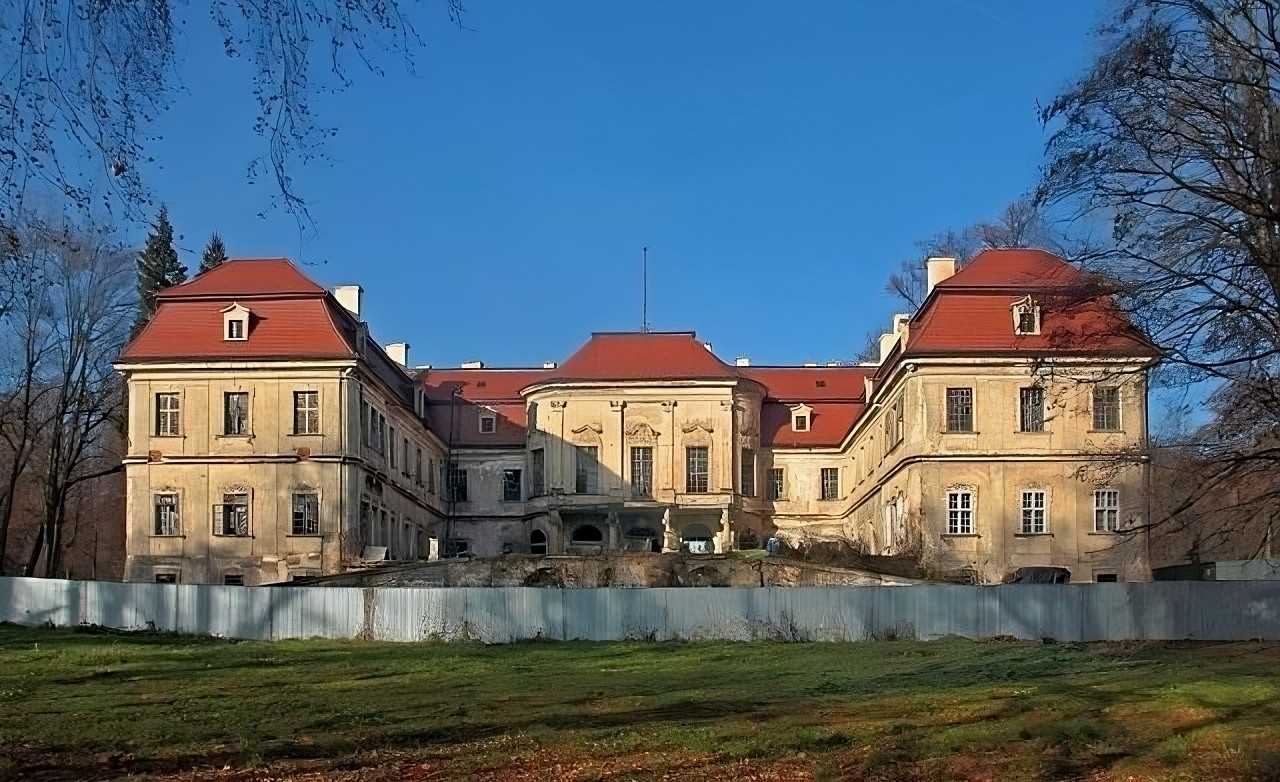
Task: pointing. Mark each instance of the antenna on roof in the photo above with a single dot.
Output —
(644, 300)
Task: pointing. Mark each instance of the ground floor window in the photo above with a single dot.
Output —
(697, 539)
(233, 514)
(587, 533)
(1106, 510)
(233, 580)
(959, 513)
(456, 547)
(1106, 578)
(166, 514)
(538, 542)
(306, 514)
(166, 578)
(1034, 520)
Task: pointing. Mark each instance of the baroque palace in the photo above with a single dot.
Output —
(1003, 426)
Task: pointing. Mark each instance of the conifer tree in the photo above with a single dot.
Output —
(158, 266)
(215, 252)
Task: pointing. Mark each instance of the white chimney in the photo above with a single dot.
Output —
(900, 322)
(833, 363)
(349, 297)
(707, 345)
(887, 342)
(399, 352)
(937, 269)
(811, 363)
(742, 361)
(473, 365)
(548, 365)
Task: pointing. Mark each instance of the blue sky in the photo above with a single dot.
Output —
(779, 160)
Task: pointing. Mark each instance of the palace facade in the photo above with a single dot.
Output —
(1003, 426)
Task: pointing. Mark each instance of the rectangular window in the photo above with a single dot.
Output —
(537, 472)
(306, 412)
(900, 429)
(235, 413)
(168, 415)
(166, 515)
(641, 471)
(1106, 409)
(417, 466)
(512, 490)
(748, 477)
(306, 514)
(456, 547)
(959, 513)
(1034, 520)
(696, 469)
(777, 483)
(1106, 578)
(457, 484)
(959, 409)
(233, 579)
(391, 448)
(588, 469)
(1031, 409)
(235, 328)
(166, 578)
(488, 424)
(431, 476)
(404, 457)
(232, 517)
(1106, 510)
(830, 483)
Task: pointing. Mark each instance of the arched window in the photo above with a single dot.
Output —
(538, 542)
(587, 533)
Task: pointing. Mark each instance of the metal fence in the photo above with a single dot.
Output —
(1171, 610)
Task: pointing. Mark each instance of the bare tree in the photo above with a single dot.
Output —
(1173, 137)
(81, 82)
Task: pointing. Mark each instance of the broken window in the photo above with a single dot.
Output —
(511, 486)
(166, 578)
(1031, 409)
(166, 514)
(588, 469)
(233, 515)
(235, 413)
(777, 483)
(830, 483)
(457, 484)
(641, 471)
(306, 514)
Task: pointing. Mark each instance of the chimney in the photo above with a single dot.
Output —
(887, 342)
(548, 365)
(473, 365)
(399, 352)
(937, 269)
(349, 297)
(811, 363)
(742, 361)
(707, 345)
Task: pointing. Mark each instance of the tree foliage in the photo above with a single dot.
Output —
(215, 252)
(158, 266)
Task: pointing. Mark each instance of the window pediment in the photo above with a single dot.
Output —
(235, 322)
(1026, 316)
(801, 418)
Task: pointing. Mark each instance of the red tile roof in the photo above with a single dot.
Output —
(1015, 268)
(829, 424)
(478, 390)
(245, 277)
(643, 356)
(808, 384)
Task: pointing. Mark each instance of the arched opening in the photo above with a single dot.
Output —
(696, 539)
(587, 533)
(538, 542)
(644, 539)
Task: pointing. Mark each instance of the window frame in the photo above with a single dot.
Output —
(306, 413)
(230, 327)
(1023, 409)
(306, 531)
(1106, 511)
(777, 489)
(176, 507)
(246, 428)
(697, 456)
(175, 414)
(507, 484)
(747, 472)
(586, 471)
(1026, 307)
(1027, 512)
(951, 393)
(641, 485)
(456, 477)
(492, 420)
(1094, 409)
(956, 512)
(220, 522)
(537, 472)
(829, 490)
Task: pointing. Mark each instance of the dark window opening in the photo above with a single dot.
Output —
(587, 533)
(538, 542)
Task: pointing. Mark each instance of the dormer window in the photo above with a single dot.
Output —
(1026, 317)
(235, 323)
(488, 423)
(801, 418)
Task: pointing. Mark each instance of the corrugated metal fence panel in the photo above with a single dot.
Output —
(1166, 610)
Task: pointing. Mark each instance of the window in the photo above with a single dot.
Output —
(233, 515)
(959, 513)
(431, 476)
(537, 472)
(641, 471)
(166, 515)
(588, 469)
(748, 477)
(306, 514)
(233, 579)
(488, 424)
(959, 409)
(235, 413)
(1031, 409)
(777, 483)
(1026, 317)
(166, 578)
(168, 415)
(235, 329)
(456, 547)
(587, 533)
(364, 421)
(538, 542)
(404, 457)
(830, 483)
(899, 425)
(391, 450)
(306, 412)
(1106, 510)
(696, 470)
(1106, 409)
(1106, 578)
(457, 484)
(511, 486)
(1034, 519)
(417, 466)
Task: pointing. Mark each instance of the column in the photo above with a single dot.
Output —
(723, 536)
(617, 481)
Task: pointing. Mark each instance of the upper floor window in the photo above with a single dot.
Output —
(748, 478)
(959, 512)
(306, 514)
(404, 457)
(1035, 519)
(830, 483)
(1026, 317)
(1031, 409)
(306, 412)
(168, 415)
(235, 323)
(588, 471)
(801, 418)
(417, 466)
(777, 483)
(1106, 408)
(537, 472)
(457, 484)
(641, 471)
(959, 409)
(511, 486)
(166, 515)
(235, 413)
(696, 469)
(488, 423)
(391, 449)
(1106, 510)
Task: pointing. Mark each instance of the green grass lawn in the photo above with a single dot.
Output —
(76, 705)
